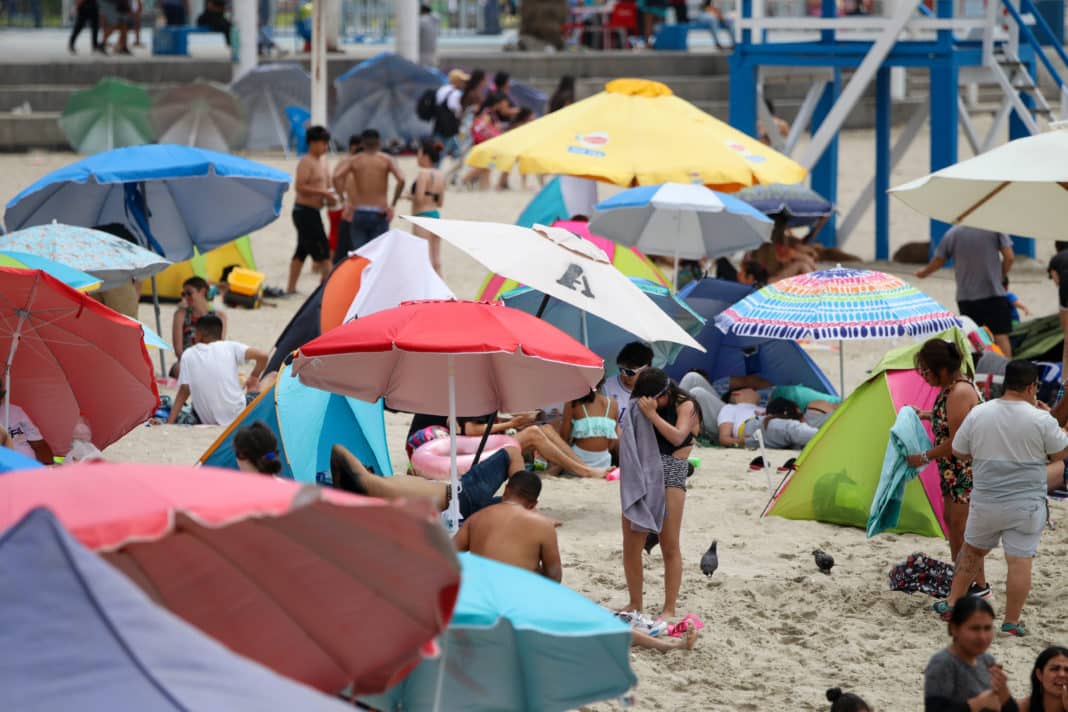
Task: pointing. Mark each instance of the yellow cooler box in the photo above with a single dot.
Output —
(245, 288)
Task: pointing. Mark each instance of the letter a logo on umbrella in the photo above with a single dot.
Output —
(572, 277)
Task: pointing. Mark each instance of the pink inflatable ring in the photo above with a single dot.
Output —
(431, 460)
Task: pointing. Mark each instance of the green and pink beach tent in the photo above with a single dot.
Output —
(838, 471)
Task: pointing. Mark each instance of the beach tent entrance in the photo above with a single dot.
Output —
(838, 471)
(208, 265)
(780, 361)
(307, 423)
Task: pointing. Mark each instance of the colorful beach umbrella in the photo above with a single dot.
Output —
(562, 266)
(838, 304)
(1017, 188)
(562, 198)
(796, 204)
(604, 338)
(69, 355)
(111, 259)
(74, 278)
(113, 647)
(176, 197)
(636, 132)
(202, 114)
(265, 91)
(12, 460)
(682, 221)
(111, 114)
(326, 588)
(381, 93)
(628, 260)
(450, 358)
(308, 423)
(518, 641)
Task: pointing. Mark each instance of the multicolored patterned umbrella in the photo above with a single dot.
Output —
(800, 206)
(110, 259)
(839, 304)
(68, 275)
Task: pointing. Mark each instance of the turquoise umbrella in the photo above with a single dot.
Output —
(605, 338)
(71, 277)
(110, 259)
(518, 641)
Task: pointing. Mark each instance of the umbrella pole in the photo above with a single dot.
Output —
(440, 684)
(485, 437)
(585, 329)
(675, 275)
(453, 516)
(159, 327)
(841, 369)
(541, 307)
(15, 338)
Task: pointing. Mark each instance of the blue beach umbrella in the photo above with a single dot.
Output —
(71, 277)
(89, 639)
(688, 222)
(111, 259)
(798, 205)
(605, 338)
(518, 641)
(381, 93)
(308, 422)
(176, 197)
(12, 460)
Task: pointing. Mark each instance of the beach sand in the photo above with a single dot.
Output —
(778, 633)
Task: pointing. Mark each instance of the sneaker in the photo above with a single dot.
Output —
(943, 609)
(1014, 629)
(977, 591)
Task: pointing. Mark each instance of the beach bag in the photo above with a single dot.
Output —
(446, 123)
(426, 108)
(920, 573)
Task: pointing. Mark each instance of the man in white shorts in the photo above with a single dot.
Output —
(1009, 440)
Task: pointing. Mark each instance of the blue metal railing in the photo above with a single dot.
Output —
(1025, 33)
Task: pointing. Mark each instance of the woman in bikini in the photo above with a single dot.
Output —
(939, 364)
(676, 421)
(428, 195)
(592, 437)
(196, 301)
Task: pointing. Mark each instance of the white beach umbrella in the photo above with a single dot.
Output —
(1019, 188)
(562, 266)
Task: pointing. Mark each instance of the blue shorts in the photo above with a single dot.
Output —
(479, 484)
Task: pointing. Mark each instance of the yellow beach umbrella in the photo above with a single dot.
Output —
(636, 132)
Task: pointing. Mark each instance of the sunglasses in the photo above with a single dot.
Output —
(631, 371)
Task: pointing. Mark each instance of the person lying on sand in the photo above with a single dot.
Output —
(513, 533)
(477, 486)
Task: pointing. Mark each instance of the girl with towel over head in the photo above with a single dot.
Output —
(656, 441)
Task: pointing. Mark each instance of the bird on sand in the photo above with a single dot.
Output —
(824, 561)
(710, 561)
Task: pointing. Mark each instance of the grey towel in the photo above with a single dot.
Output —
(641, 475)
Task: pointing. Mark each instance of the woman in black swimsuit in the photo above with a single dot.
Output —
(428, 195)
(676, 421)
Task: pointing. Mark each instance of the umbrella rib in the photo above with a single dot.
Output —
(983, 201)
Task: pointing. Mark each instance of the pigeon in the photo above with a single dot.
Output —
(651, 541)
(710, 562)
(823, 560)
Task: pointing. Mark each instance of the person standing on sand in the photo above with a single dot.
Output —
(513, 533)
(1009, 440)
(312, 184)
(338, 180)
(367, 190)
(653, 471)
(981, 263)
(428, 195)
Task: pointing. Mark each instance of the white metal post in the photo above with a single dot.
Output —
(453, 516)
(406, 37)
(318, 63)
(246, 26)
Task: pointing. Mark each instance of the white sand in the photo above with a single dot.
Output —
(779, 633)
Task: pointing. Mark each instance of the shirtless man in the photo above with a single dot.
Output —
(367, 190)
(312, 185)
(340, 178)
(512, 532)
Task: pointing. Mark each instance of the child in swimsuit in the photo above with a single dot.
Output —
(592, 437)
(428, 195)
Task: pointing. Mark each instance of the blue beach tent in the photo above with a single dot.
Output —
(308, 422)
(780, 361)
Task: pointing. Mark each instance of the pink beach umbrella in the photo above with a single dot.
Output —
(451, 358)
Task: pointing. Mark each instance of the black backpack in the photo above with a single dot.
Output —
(427, 106)
(446, 123)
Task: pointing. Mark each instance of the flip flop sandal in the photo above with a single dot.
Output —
(1014, 629)
(943, 609)
(788, 466)
(757, 464)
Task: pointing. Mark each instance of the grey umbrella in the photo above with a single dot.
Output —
(202, 114)
(265, 91)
